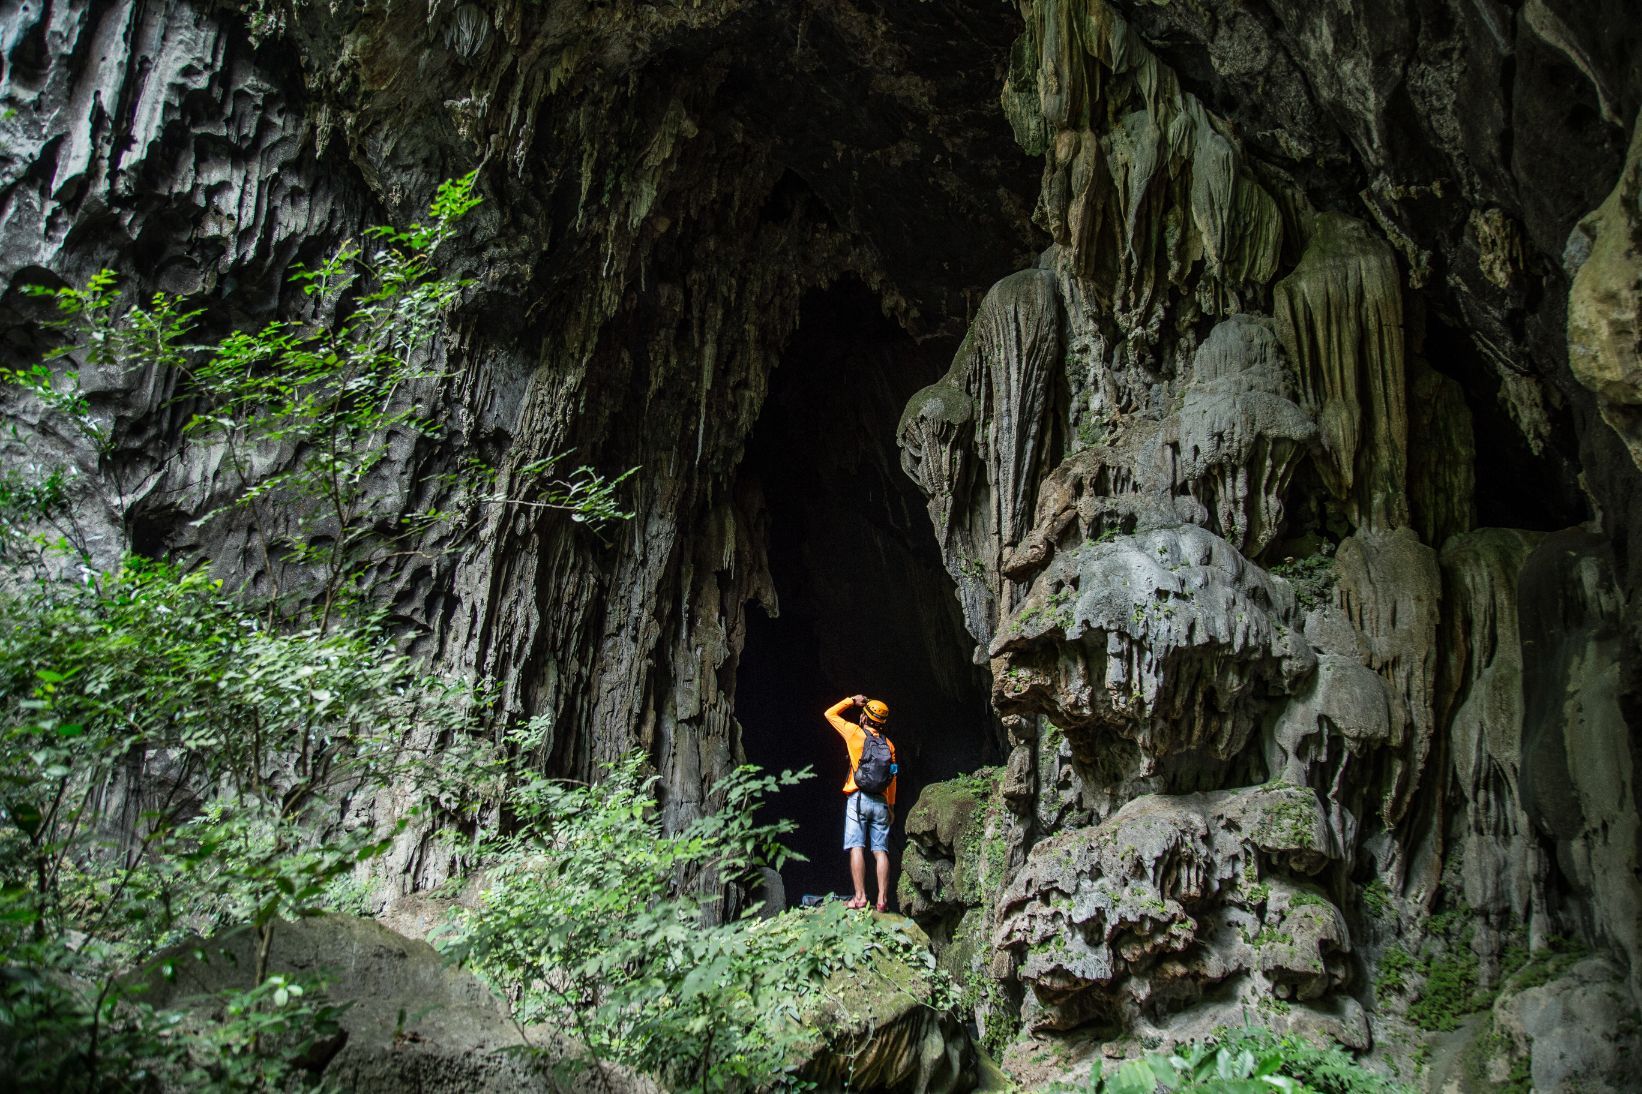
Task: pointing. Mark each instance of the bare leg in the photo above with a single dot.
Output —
(883, 878)
(858, 874)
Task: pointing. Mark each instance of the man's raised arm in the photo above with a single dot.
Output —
(835, 715)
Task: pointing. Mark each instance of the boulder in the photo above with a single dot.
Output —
(880, 1027)
(1579, 1031)
(411, 1022)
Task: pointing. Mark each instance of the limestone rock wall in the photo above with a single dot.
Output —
(1211, 502)
(1285, 485)
(659, 195)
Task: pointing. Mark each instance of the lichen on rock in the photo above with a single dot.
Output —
(1168, 637)
(1168, 898)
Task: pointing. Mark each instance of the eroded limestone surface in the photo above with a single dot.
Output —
(1275, 699)
(1172, 897)
(1289, 473)
(1605, 304)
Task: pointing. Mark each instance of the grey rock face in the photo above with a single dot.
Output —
(1137, 918)
(1504, 878)
(1340, 317)
(636, 273)
(1165, 637)
(1304, 322)
(999, 384)
(1252, 575)
(1574, 1030)
(1605, 304)
(412, 1021)
(1578, 777)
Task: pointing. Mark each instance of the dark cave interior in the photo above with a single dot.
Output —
(864, 603)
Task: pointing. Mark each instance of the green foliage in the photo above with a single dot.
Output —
(170, 765)
(304, 413)
(257, 1043)
(1446, 979)
(1479, 1062)
(597, 921)
(971, 806)
(981, 991)
(1449, 986)
(1522, 970)
(175, 759)
(1204, 1068)
(1395, 966)
(1289, 814)
(1520, 1079)
(1301, 898)
(113, 341)
(1448, 993)
(30, 506)
(1092, 434)
(1326, 1069)
(1376, 898)
(1246, 1061)
(1312, 577)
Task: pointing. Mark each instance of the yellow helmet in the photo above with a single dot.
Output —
(877, 711)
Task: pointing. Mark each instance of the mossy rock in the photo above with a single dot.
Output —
(411, 1021)
(946, 811)
(956, 853)
(881, 1026)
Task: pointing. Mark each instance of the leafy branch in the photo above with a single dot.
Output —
(305, 414)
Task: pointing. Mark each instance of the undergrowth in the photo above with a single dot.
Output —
(1246, 1061)
(599, 922)
(1312, 577)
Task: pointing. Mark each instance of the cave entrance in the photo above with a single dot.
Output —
(865, 605)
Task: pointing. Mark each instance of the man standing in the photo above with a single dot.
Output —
(869, 808)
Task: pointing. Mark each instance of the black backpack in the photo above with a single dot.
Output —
(876, 769)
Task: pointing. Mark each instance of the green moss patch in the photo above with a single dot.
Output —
(1312, 578)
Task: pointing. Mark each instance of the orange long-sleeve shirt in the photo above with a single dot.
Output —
(854, 738)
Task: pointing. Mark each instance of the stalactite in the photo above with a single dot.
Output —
(1340, 317)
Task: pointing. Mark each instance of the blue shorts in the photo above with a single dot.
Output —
(864, 815)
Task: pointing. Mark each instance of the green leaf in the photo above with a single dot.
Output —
(1134, 1077)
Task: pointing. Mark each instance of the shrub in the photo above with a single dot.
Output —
(597, 921)
(1250, 1060)
(171, 764)
(1312, 577)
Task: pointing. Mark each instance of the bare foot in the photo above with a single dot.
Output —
(882, 907)
(856, 902)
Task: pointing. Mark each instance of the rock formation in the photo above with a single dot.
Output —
(408, 1020)
(880, 1027)
(654, 213)
(1284, 476)
(1253, 600)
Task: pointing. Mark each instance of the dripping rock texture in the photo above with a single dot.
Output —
(1285, 470)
